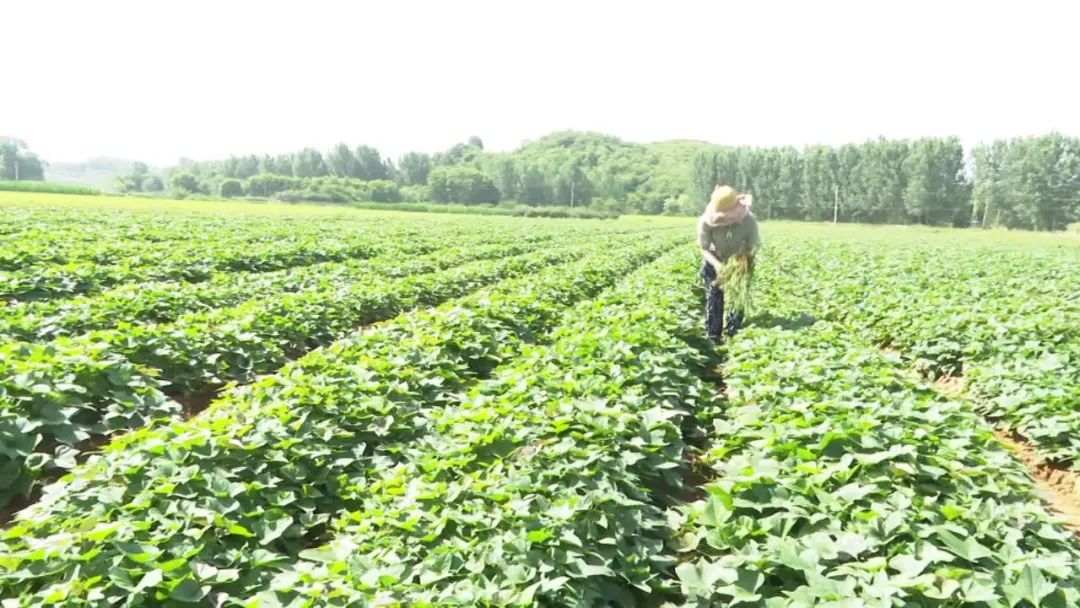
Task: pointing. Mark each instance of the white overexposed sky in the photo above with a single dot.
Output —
(158, 80)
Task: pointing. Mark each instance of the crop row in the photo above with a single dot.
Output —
(68, 231)
(1005, 321)
(199, 260)
(65, 280)
(54, 243)
(225, 249)
(58, 395)
(40, 239)
(544, 486)
(162, 302)
(256, 479)
(839, 478)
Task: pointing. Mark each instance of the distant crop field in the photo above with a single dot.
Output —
(23, 186)
(240, 404)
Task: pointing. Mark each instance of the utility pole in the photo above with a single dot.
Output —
(836, 203)
(572, 181)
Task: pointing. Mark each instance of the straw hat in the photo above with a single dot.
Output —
(723, 198)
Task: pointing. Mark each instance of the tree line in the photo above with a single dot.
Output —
(18, 163)
(1030, 182)
(884, 181)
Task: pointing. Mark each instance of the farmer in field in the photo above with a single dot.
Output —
(726, 229)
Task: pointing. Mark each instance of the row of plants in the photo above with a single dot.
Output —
(191, 265)
(165, 301)
(221, 499)
(1005, 321)
(54, 254)
(59, 394)
(837, 476)
(49, 245)
(545, 485)
(37, 268)
(44, 236)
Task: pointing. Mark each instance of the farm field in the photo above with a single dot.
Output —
(244, 405)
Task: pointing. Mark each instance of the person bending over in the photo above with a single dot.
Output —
(725, 229)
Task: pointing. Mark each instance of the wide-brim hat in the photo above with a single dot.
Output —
(723, 199)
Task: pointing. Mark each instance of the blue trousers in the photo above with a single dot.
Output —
(715, 324)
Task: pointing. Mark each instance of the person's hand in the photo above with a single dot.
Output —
(745, 199)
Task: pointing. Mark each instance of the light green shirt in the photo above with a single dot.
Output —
(726, 241)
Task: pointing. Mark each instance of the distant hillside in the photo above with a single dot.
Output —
(96, 172)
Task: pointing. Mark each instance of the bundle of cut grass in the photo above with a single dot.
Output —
(734, 278)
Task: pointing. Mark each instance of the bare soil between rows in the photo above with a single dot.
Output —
(1058, 485)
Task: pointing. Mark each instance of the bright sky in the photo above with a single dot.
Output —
(204, 79)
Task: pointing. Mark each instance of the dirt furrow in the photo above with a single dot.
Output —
(1058, 485)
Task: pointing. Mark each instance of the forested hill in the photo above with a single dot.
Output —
(1023, 183)
(1026, 183)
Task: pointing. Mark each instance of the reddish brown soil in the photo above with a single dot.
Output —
(1057, 483)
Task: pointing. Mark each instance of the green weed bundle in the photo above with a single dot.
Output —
(734, 278)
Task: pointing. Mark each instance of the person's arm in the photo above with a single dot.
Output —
(711, 258)
(706, 247)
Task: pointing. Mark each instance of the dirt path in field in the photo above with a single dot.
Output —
(1058, 485)
(695, 473)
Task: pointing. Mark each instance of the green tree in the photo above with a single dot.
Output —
(417, 194)
(246, 166)
(820, 184)
(308, 163)
(704, 175)
(1040, 182)
(128, 183)
(138, 180)
(268, 184)
(231, 188)
(370, 164)
(378, 190)
(414, 168)
(185, 183)
(571, 185)
(342, 162)
(152, 183)
(18, 162)
(460, 154)
(533, 187)
(788, 184)
(462, 185)
(937, 189)
(504, 172)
